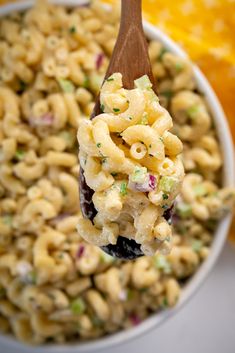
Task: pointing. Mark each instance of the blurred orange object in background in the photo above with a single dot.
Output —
(205, 29)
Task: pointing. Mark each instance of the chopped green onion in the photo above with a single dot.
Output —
(78, 306)
(143, 82)
(167, 184)
(98, 144)
(66, 85)
(197, 245)
(130, 118)
(139, 175)
(199, 190)
(165, 207)
(116, 110)
(162, 52)
(192, 111)
(184, 210)
(165, 196)
(164, 303)
(102, 107)
(161, 263)
(20, 154)
(168, 94)
(22, 86)
(72, 29)
(123, 188)
(110, 79)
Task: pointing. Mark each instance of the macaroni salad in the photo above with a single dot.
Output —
(54, 286)
(131, 160)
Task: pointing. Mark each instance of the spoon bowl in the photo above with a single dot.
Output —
(130, 58)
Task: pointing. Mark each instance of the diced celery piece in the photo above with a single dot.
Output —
(106, 258)
(95, 81)
(143, 82)
(179, 66)
(192, 111)
(7, 219)
(123, 189)
(184, 210)
(67, 86)
(199, 190)
(197, 245)
(167, 184)
(20, 154)
(78, 306)
(139, 175)
(161, 263)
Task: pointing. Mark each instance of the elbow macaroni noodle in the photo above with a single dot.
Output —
(54, 286)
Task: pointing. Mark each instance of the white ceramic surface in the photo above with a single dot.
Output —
(219, 237)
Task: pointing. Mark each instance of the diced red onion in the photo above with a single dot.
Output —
(148, 185)
(152, 181)
(135, 319)
(99, 60)
(80, 251)
(44, 120)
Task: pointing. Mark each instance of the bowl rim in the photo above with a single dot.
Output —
(226, 145)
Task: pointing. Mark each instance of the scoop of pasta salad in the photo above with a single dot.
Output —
(132, 162)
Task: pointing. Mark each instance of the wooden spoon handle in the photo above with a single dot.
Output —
(130, 55)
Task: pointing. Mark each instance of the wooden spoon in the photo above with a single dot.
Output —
(130, 58)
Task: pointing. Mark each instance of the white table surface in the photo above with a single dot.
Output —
(205, 325)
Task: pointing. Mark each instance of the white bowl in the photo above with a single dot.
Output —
(219, 237)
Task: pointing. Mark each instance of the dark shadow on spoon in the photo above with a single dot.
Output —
(125, 249)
